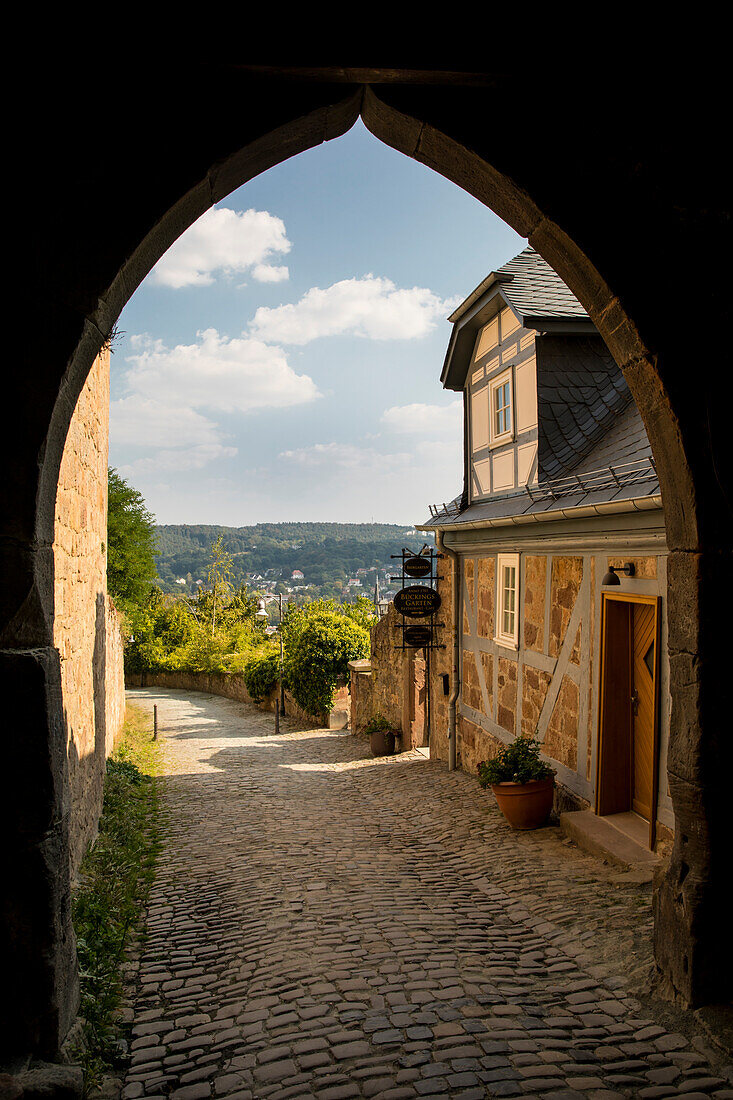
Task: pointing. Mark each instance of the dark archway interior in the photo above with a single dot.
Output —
(594, 177)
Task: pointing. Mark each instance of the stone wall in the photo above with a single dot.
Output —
(232, 686)
(548, 687)
(86, 622)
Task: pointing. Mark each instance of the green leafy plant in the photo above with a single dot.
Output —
(114, 882)
(261, 674)
(221, 570)
(215, 631)
(319, 643)
(377, 724)
(517, 763)
(361, 611)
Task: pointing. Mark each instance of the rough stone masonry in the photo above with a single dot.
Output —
(86, 623)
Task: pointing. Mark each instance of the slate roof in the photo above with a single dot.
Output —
(536, 293)
(536, 290)
(625, 441)
(619, 469)
(580, 393)
(531, 286)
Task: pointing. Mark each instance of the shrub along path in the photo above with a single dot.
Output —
(326, 924)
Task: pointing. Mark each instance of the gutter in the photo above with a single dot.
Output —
(455, 682)
(634, 504)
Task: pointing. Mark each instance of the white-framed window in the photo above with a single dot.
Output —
(507, 600)
(501, 409)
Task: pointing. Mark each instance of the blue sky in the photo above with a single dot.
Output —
(282, 361)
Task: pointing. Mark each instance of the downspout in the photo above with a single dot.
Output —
(455, 683)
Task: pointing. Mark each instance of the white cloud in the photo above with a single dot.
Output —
(228, 241)
(218, 373)
(139, 421)
(266, 273)
(167, 388)
(425, 420)
(179, 460)
(340, 456)
(396, 487)
(370, 307)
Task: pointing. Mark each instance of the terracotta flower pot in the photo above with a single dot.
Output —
(525, 805)
(382, 742)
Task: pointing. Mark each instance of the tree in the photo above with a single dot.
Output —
(221, 569)
(131, 544)
(361, 611)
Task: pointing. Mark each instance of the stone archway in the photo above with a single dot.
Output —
(440, 120)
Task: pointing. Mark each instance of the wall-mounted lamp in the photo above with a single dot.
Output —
(610, 578)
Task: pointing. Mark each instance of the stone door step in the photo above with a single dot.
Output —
(599, 837)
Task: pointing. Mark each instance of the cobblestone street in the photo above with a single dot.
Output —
(326, 924)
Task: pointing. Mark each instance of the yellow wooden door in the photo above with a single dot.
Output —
(643, 671)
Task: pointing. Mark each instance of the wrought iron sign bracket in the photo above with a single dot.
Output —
(418, 603)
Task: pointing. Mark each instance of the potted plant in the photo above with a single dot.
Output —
(381, 735)
(523, 784)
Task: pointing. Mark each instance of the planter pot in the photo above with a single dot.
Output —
(525, 805)
(382, 743)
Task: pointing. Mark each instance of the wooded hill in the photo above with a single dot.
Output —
(328, 554)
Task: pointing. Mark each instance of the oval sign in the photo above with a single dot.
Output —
(417, 601)
(417, 566)
(418, 636)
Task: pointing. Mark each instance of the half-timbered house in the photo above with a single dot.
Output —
(560, 496)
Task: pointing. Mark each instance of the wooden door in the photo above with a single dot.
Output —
(627, 745)
(642, 699)
(615, 751)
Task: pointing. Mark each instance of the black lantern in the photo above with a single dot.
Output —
(610, 578)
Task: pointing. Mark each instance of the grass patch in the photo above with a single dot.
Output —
(114, 882)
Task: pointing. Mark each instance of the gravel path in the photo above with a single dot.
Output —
(326, 924)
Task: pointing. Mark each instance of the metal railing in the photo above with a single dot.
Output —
(619, 476)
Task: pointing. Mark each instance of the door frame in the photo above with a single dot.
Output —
(656, 602)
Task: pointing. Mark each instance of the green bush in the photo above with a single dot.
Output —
(261, 674)
(517, 763)
(173, 635)
(320, 642)
(166, 634)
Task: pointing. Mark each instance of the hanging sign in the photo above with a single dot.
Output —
(417, 601)
(418, 636)
(417, 566)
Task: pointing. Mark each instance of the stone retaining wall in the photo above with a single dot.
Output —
(232, 686)
(86, 622)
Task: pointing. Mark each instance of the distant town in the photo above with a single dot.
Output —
(300, 561)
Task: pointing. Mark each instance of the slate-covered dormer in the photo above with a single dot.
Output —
(540, 387)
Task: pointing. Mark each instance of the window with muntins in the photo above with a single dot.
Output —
(503, 409)
(507, 617)
(501, 401)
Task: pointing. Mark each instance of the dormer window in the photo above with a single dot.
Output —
(501, 406)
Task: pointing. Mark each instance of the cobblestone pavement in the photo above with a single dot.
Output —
(326, 924)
